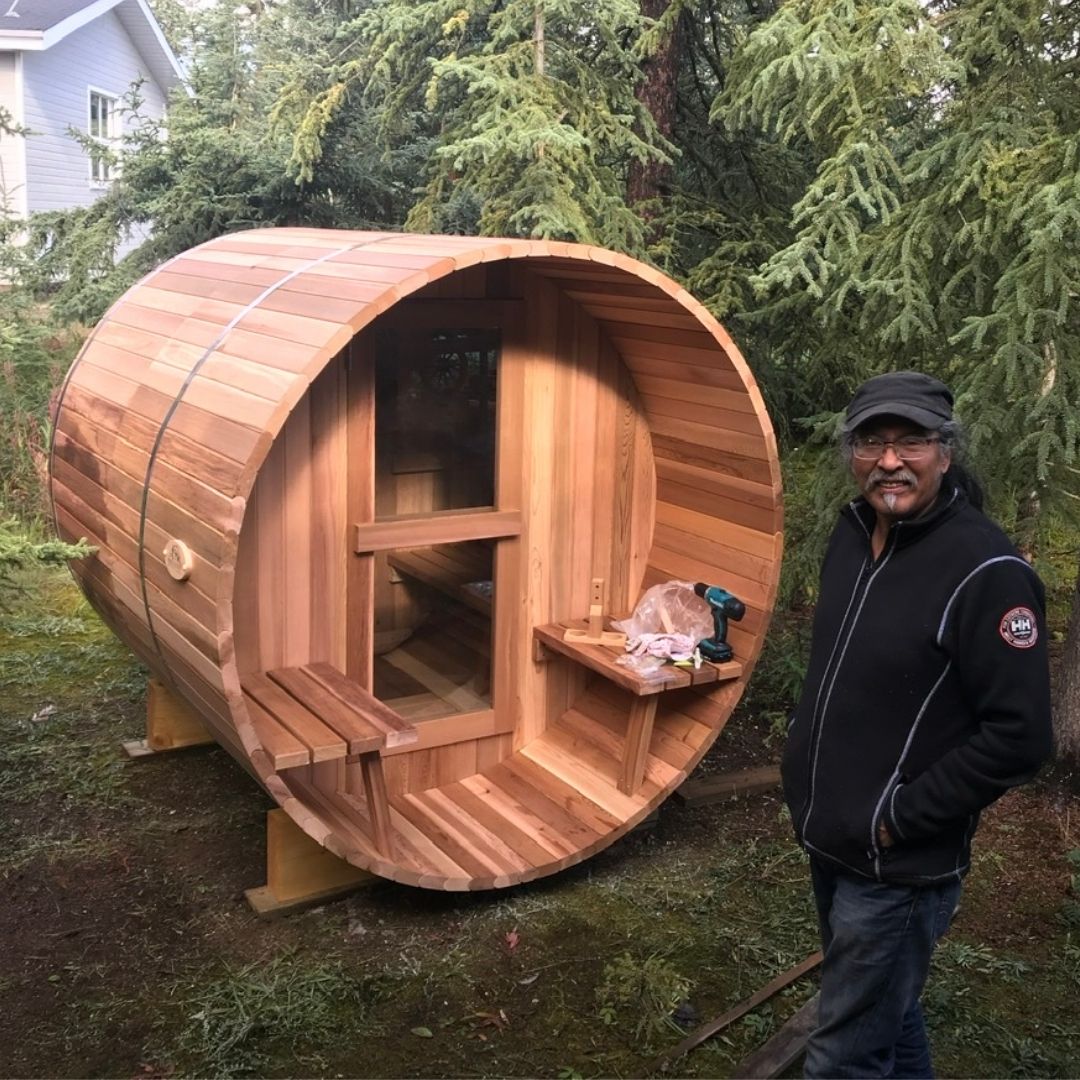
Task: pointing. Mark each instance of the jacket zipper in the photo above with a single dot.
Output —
(867, 572)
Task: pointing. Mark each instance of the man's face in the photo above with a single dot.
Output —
(898, 489)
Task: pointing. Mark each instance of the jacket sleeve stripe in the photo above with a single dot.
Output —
(957, 590)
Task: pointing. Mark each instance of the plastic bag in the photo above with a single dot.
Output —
(646, 667)
(670, 608)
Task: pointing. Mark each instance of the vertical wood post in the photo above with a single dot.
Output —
(171, 723)
(299, 871)
(638, 736)
(377, 803)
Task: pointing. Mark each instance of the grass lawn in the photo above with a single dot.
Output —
(126, 948)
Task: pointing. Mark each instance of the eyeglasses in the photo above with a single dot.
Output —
(906, 448)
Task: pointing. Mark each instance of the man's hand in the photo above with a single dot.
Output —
(884, 839)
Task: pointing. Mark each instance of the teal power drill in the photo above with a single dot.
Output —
(724, 606)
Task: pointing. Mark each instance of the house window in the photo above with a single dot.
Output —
(104, 131)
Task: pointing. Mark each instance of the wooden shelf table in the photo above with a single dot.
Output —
(602, 660)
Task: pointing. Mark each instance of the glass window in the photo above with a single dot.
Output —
(435, 420)
(433, 629)
(104, 131)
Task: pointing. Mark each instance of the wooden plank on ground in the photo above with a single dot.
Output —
(713, 1027)
(784, 1048)
(704, 790)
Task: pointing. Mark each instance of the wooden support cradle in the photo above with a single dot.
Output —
(299, 872)
(171, 724)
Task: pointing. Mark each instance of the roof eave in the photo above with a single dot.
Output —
(22, 40)
(163, 62)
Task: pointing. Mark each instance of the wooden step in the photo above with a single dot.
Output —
(304, 715)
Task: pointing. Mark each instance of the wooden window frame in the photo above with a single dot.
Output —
(501, 523)
(102, 173)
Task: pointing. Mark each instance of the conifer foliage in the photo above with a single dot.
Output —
(938, 226)
(530, 105)
(852, 185)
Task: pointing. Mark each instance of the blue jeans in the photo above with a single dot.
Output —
(877, 939)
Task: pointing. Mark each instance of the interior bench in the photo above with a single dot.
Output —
(454, 569)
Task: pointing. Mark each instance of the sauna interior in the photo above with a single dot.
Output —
(426, 508)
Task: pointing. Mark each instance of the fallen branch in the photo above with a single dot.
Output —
(706, 1031)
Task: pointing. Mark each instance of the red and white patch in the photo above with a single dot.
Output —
(1019, 627)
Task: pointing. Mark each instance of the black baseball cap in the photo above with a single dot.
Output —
(920, 398)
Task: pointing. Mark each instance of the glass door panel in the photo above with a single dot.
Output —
(435, 398)
(433, 629)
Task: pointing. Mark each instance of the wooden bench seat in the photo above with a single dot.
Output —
(450, 568)
(310, 714)
(602, 660)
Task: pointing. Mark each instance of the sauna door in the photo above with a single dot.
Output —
(429, 522)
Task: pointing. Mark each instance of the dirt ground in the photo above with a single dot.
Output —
(128, 950)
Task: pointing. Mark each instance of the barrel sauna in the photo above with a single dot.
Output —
(348, 489)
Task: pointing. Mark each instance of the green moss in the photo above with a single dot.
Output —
(69, 692)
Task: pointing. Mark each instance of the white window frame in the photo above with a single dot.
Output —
(101, 172)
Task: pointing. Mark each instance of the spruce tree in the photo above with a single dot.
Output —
(937, 229)
(530, 104)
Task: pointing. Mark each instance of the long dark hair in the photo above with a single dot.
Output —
(959, 473)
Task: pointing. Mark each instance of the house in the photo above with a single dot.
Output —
(67, 64)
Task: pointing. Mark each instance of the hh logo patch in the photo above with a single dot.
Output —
(1019, 628)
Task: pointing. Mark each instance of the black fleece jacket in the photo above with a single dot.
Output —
(927, 694)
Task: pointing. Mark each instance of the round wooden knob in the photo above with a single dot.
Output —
(178, 560)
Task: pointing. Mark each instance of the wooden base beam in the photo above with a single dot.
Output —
(171, 724)
(300, 873)
(705, 790)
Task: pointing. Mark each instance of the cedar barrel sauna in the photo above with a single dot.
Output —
(347, 490)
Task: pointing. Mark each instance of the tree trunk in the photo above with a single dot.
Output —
(656, 91)
(538, 39)
(1067, 698)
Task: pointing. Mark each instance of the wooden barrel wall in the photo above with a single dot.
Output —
(222, 411)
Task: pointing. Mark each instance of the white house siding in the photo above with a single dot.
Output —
(12, 148)
(56, 85)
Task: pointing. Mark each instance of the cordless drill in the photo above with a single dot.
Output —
(724, 606)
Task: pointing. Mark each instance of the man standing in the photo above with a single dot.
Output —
(927, 697)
